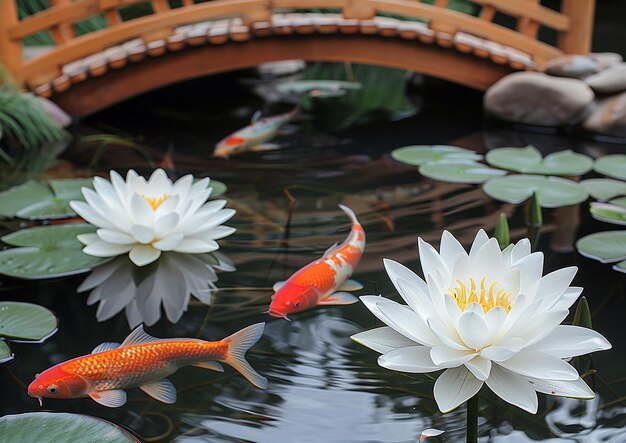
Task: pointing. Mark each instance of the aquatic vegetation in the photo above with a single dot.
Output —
(609, 212)
(487, 317)
(604, 189)
(529, 160)
(56, 427)
(144, 361)
(324, 281)
(145, 218)
(551, 192)
(605, 247)
(459, 171)
(612, 166)
(168, 282)
(47, 252)
(317, 88)
(419, 155)
(24, 323)
(42, 200)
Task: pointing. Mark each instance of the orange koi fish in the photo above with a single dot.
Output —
(144, 361)
(323, 281)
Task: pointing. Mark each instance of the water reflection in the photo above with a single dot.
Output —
(141, 291)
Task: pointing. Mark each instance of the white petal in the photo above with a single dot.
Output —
(570, 341)
(488, 261)
(539, 365)
(168, 205)
(168, 243)
(142, 233)
(450, 248)
(406, 322)
(553, 285)
(513, 389)
(449, 358)
(430, 259)
(114, 236)
(480, 239)
(453, 310)
(90, 214)
(574, 388)
(473, 330)
(438, 298)
(567, 300)
(165, 224)
(104, 249)
(383, 339)
(87, 239)
(105, 190)
(140, 210)
(413, 289)
(521, 249)
(220, 232)
(531, 268)
(480, 367)
(455, 386)
(494, 319)
(415, 359)
(503, 350)
(142, 255)
(196, 246)
(444, 335)
(371, 302)
(541, 325)
(182, 186)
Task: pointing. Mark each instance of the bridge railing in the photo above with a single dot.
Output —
(573, 23)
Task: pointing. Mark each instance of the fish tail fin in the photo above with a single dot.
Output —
(350, 213)
(238, 345)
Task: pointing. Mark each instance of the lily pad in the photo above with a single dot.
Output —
(26, 322)
(604, 189)
(529, 160)
(5, 352)
(552, 192)
(620, 267)
(609, 213)
(47, 252)
(621, 201)
(48, 427)
(325, 86)
(456, 171)
(606, 247)
(219, 188)
(421, 154)
(612, 166)
(40, 200)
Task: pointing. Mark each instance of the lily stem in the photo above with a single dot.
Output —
(472, 419)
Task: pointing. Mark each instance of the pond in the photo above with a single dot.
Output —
(323, 387)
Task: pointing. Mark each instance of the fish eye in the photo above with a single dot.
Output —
(296, 304)
(53, 389)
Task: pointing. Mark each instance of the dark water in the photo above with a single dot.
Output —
(323, 387)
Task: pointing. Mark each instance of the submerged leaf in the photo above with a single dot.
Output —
(552, 192)
(612, 166)
(530, 161)
(26, 321)
(421, 154)
(48, 427)
(606, 247)
(5, 352)
(457, 171)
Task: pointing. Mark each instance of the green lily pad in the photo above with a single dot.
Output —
(456, 171)
(621, 201)
(612, 166)
(48, 427)
(219, 188)
(609, 213)
(529, 160)
(47, 252)
(604, 189)
(606, 247)
(620, 267)
(552, 192)
(26, 321)
(325, 86)
(421, 154)
(5, 352)
(41, 200)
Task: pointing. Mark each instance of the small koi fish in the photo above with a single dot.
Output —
(254, 136)
(323, 281)
(144, 361)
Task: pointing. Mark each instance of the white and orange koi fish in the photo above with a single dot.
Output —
(324, 281)
(254, 136)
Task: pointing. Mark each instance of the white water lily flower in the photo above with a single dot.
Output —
(144, 218)
(487, 317)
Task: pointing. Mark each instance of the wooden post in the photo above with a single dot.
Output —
(577, 39)
(10, 50)
(65, 31)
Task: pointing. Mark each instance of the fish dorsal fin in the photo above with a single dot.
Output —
(338, 298)
(162, 390)
(212, 365)
(137, 337)
(106, 346)
(278, 285)
(330, 251)
(111, 399)
(350, 285)
(256, 117)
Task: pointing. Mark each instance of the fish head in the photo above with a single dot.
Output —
(57, 383)
(292, 298)
(231, 145)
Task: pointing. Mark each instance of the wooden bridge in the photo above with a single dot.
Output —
(184, 39)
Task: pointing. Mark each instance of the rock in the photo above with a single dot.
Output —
(609, 117)
(574, 66)
(606, 59)
(610, 80)
(534, 98)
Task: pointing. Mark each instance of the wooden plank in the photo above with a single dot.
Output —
(531, 10)
(10, 49)
(99, 93)
(581, 14)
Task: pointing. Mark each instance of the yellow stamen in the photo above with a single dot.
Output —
(486, 298)
(155, 202)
